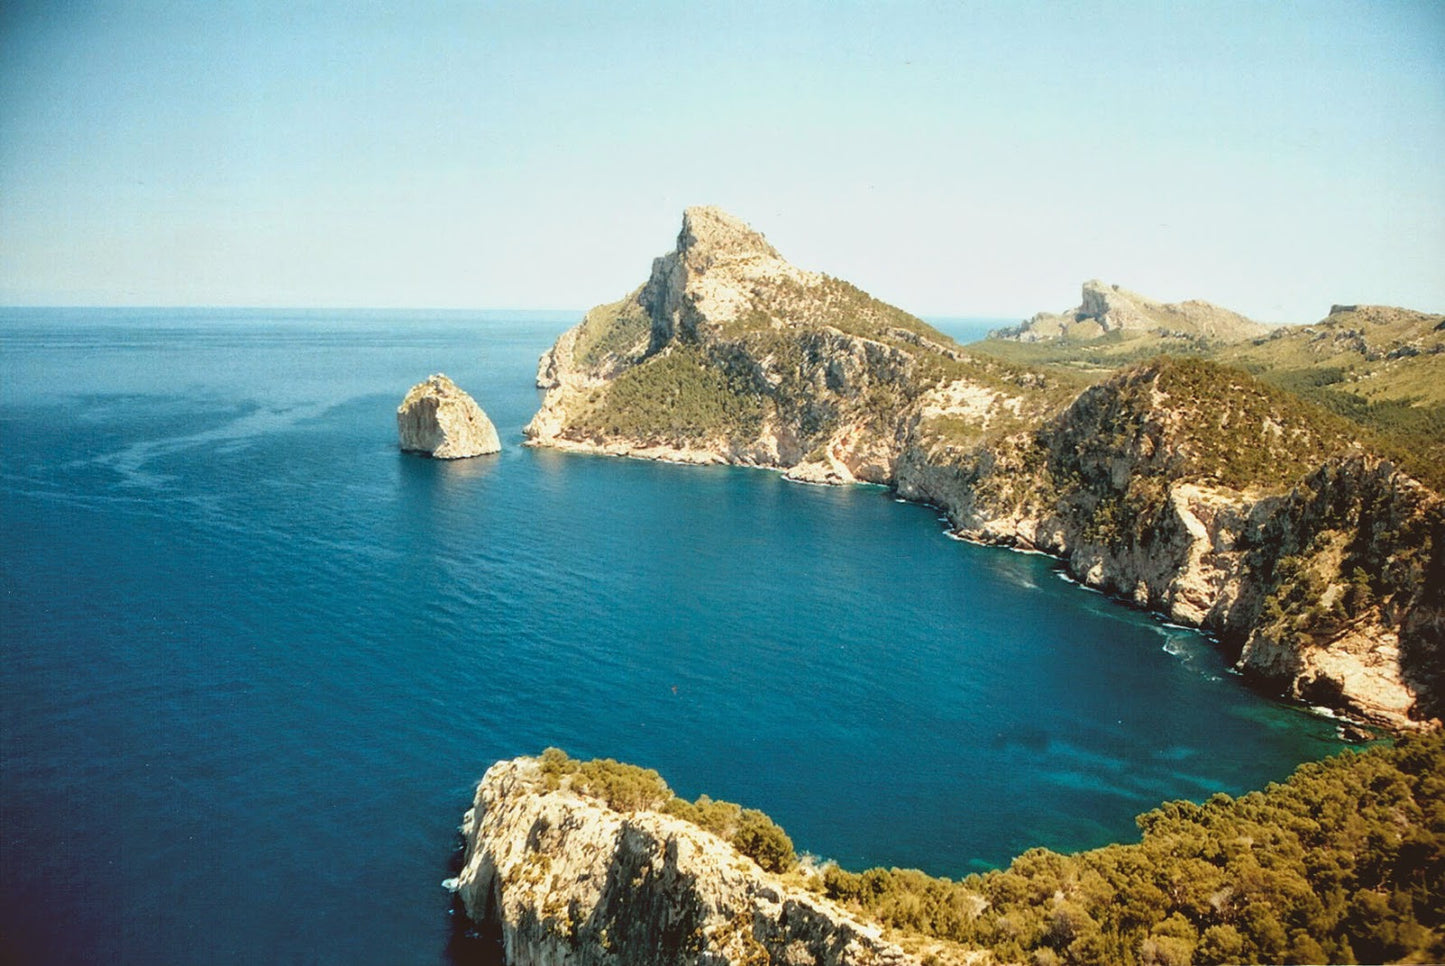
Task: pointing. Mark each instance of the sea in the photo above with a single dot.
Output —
(255, 659)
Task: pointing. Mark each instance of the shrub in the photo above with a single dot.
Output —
(630, 788)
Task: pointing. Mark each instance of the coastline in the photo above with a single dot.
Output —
(1351, 727)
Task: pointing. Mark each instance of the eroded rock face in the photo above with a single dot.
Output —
(1324, 590)
(571, 881)
(438, 419)
(1183, 489)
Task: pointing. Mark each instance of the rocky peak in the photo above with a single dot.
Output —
(1105, 308)
(709, 233)
(710, 278)
(1110, 306)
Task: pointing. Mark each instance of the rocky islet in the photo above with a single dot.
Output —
(438, 419)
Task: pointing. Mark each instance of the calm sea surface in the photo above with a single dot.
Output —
(255, 659)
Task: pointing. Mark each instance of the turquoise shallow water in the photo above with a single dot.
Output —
(254, 658)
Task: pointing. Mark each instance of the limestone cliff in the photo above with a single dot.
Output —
(440, 420)
(1195, 491)
(569, 879)
(1185, 487)
(1105, 309)
(730, 354)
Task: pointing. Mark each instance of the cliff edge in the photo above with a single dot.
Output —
(1183, 486)
(571, 877)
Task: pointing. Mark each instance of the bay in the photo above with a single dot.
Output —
(255, 659)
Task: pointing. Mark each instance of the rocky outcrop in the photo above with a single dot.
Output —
(1320, 588)
(730, 354)
(1172, 485)
(1106, 308)
(567, 879)
(438, 419)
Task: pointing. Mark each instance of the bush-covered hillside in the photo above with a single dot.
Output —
(1241, 432)
(629, 788)
(1344, 862)
(674, 395)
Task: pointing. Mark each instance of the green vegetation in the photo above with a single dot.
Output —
(630, 788)
(1345, 862)
(676, 394)
(1242, 432)
(750, 831)
(618, 328)
(625, 788)
(1378, 368)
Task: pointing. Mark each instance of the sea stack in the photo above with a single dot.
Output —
(440, 420)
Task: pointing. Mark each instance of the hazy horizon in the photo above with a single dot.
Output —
(965, 161)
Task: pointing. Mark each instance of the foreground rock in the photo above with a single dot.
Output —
(438, 419)
(1185, 487)
(569, 879)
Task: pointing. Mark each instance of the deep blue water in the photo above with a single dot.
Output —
(254, 658)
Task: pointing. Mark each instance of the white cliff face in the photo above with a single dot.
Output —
(438, 419)
(1324, 592)
(571, 881)
(1149, 489)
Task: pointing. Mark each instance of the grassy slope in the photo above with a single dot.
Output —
(1383, 370)
(1241, 432)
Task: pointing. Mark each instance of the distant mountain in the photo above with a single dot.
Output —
(729, 354)
(1108, 309)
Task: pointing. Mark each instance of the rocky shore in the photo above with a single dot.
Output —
(567, 878)
(1180, 486)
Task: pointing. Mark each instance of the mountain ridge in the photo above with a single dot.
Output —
(1161, 483)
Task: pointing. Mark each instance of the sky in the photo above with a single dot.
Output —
(970, 159)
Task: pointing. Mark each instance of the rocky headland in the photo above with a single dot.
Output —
(597, 862)
(1105, 309)
(579, 873)
(439, 420)
(1180, 485)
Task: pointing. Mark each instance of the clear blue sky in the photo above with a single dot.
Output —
(969, 159)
